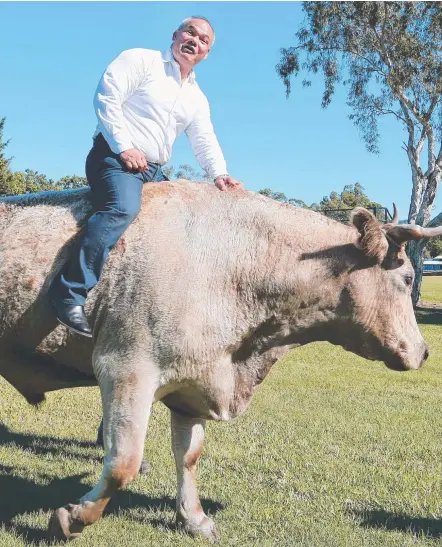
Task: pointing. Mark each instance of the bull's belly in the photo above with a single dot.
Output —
(210, 402)
(220, 391)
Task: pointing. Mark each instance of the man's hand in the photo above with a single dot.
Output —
(225, 182)
(134, 160)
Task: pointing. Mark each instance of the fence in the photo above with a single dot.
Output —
(343, 215)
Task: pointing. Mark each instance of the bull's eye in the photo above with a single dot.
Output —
(408, 280)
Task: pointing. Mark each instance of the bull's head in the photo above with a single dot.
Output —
(380, 296)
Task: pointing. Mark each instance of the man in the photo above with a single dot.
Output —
(144, 100)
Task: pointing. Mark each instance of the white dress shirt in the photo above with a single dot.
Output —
(142, 103)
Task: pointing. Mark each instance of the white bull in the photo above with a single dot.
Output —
(204, 292)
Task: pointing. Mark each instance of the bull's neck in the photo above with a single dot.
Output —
(298, 286)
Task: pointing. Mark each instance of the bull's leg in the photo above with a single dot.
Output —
(145, 465)
(126, 408)
(187, 444)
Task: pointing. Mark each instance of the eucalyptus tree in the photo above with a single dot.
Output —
(388, 56)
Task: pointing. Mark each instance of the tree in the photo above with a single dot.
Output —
(434, 247)
(388, 55)
(187, 172)
(71, 182)
(280, 196)
(353, 195)
(5, 173)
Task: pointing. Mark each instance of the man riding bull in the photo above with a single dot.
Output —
(144, 100)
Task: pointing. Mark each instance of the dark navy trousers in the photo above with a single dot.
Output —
(116, 197)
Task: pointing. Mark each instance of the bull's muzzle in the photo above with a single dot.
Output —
(410, 360)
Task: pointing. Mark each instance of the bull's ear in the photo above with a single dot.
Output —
(372, 238)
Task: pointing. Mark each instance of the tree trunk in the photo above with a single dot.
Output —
(415, 251)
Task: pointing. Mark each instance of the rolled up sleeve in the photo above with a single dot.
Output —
(120, 80)
(204, 143)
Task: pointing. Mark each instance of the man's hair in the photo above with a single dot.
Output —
(187, 19)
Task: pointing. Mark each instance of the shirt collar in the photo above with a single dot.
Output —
(167, 57)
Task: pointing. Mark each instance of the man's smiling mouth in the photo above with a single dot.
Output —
(186, 48)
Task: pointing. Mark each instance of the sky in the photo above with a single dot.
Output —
(52, 55)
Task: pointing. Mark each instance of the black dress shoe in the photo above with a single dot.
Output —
(72, 316)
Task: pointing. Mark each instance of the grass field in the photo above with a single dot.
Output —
(334, 451)
(432, 289)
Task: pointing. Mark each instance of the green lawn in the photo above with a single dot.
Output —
(432, 289)
(334, 451)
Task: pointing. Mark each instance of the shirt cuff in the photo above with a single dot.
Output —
(221, 175)
(217, 170)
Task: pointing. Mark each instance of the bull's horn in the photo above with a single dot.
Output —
(407, 232)
(395, 215)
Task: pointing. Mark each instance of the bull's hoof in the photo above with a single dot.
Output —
(206, 527)
(62, 526)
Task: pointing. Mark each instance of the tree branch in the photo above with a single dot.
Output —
(439, 158)
(372, 65)
(383, 111)
(431, 156)
(419, 117)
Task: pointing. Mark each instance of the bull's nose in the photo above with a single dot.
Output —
(426, 354)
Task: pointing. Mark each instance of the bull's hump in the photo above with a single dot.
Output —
(202, 198)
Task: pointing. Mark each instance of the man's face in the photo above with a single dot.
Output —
(192, 43)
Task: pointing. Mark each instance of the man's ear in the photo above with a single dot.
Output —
(207, 54)
(174, 35)
(372, 237)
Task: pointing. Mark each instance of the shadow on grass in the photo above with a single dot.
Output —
(431, 528)
(21, 496)
(52, 445)
(429, 315)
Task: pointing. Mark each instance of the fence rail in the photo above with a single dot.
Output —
(343, 215)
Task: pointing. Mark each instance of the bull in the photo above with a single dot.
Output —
(199, 298)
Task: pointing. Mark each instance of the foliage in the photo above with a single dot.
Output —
(72, 182)
(388, 55)
(280, 196)
(353, 195)
(434, 247)
(187, 172)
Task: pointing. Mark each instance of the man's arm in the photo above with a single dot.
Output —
(120, 80)
(207, 150)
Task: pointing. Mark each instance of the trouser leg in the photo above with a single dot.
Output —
(117, 199)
